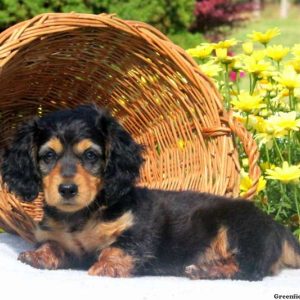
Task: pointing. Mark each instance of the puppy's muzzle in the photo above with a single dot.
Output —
(68, 191)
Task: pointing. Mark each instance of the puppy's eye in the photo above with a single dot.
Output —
(49, 156)
(90, 155)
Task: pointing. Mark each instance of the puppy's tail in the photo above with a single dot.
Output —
(290, 256)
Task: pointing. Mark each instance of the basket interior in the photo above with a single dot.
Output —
(148, 85)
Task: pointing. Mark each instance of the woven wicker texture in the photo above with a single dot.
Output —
(150, 85)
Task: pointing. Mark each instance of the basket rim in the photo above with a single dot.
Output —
(20, 34)
(12, 39)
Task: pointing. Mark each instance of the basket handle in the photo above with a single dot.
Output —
(251, 150)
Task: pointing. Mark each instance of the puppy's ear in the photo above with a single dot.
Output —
(123, 158)
(19, 168)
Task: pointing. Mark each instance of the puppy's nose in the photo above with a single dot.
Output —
(68, 190)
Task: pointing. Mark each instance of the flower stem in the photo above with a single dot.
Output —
(290, 138)
(227, 88)
(296, 203)
(291, 99)
(283, 192)
(267, 155)
(278, 149)
(252, 84)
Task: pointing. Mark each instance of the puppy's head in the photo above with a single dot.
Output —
(72, 156)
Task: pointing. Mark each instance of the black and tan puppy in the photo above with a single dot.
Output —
(95, 217)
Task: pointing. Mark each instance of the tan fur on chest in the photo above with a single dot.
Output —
(95, 235)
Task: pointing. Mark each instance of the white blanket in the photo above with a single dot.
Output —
(20, 281)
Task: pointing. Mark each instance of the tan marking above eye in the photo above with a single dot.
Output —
(55, 144)
(84, 145)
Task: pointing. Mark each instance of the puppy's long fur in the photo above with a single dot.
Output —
(95, 217)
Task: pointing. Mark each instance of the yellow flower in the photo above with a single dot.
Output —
(246, 183)
(245, 162)
(277, 52)
(295, 63)
(210, 69)
(266, 165)
(277, 126)
(181, 144)
(251, 65)
(237, 63)
(222, 56)
(284, 121)
(265, 85)
(259, 54)
(286, 174)
(247, 102)
(267, 130)
(201, 51)
(296, 50)
(257, 123)
(226, 44)
(289, 78)
(264, 37)
(238, 115)
(247, 48)
(265, 138)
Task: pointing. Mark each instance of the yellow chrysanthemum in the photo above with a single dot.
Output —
(201, 51)
(259, 55)
(289, 78)
(276, 126)
(280, 98)
(265, 138)
(237, 64)
(285, 121)
(257, 123)
(277, 52)
(247, 48)
(181, 144)
(267, 165)
(240, 117)
(222, 56)
(295, 63)
(246, 183)
(251, 65)
(246, 102)
(226, 44)
(264, 37)
(267, 131)
(211, 69)
(245, 162)
(286, 174)
(265, 85)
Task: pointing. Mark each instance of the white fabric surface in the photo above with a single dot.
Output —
(18, 280)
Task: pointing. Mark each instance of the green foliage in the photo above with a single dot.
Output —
(168, 16)
(186, 39)
(13, 11)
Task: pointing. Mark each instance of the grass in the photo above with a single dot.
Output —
(289, 27)
(186, 39)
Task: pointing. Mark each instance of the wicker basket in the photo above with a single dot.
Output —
(151, 85)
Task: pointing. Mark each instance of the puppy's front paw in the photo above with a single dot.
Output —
(109, 270)
(47, 256)
(112, 262)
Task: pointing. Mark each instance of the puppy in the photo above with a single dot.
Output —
(95, 217)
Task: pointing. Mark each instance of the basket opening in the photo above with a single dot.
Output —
(144, 87)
